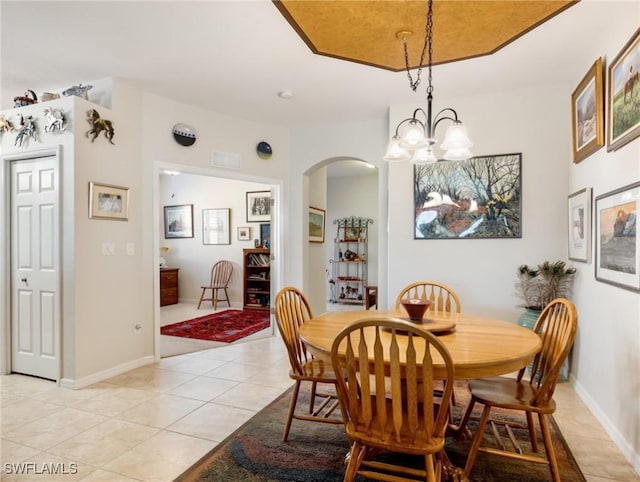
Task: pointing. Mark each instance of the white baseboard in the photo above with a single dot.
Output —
(615, 435)
(76, 384)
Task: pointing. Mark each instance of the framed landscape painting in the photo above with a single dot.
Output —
(478, 198)
(624, 95)
(580, 225)
(587, 113)
(316, 225)
(108, 202)
(178, 221)
(617, 249)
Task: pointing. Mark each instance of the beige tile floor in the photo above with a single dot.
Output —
(152, 423)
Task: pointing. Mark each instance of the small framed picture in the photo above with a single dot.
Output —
(265, 235)
(351, 233)
(178, 221)
(580, 225)
(258, 206)
(316, 225)
(624, 95)
(244, 233)
(617, 249)
(108, 202)
(587, 113)
(215, 226)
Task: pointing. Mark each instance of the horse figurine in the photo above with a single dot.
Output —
(79, 90)
(55, 120)
(28, 98)
(27, 130)
(629, 84)
(98, 125)
(5, 125)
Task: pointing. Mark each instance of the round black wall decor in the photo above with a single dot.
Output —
(184, 135)
(263, 149)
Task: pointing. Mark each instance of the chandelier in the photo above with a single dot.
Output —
(414, 138)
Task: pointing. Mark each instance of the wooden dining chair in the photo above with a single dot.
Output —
(387, 394)
(220, 276)
(442, 297)
(531, 392)
(292, 310)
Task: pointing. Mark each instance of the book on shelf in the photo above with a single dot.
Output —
(259, 259)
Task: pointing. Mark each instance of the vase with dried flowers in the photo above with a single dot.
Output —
(537, 286)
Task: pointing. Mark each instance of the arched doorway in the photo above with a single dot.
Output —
(344, 187)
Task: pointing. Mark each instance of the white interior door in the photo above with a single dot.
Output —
(35, 267)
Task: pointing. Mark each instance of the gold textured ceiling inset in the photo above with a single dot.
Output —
(365, 31)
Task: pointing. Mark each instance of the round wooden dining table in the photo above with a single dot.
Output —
(480, 346)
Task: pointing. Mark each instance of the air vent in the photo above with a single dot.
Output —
(226, 160)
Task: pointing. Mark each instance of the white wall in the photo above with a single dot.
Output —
(315, 251)
(190, 255)
(606, 358)
(482, 272)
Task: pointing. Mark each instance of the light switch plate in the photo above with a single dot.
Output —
(131, 249)
(108, 249)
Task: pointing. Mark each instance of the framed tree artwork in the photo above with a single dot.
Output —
(258, 206)
(587, 113)
(478, 198)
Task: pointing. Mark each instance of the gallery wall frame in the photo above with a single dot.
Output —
(178, 221)
(623, 122)
(258, 206)
(479, 198)
(316, 224)
(617, 253)
(215, 226)
(265, 235)
(587, 113)
(244, 233)
(579, 225)
(108, 202)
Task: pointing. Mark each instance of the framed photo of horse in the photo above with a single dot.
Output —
(587, 113)
(624, 95)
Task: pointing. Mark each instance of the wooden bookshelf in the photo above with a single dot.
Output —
(257, 279)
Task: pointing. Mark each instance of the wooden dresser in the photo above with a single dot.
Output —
(168, 286)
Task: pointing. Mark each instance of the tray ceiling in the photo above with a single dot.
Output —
(365, 31)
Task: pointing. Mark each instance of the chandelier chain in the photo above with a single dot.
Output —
(428, 37)
(429, 42)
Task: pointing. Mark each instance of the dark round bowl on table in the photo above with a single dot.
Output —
(416, 309)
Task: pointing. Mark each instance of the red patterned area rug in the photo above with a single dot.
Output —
(225, 326)
(315, 452)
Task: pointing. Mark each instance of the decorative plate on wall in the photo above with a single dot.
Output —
(184, 135)
(263, 149)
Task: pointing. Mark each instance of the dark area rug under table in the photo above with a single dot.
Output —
(315, 452)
